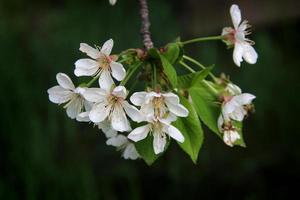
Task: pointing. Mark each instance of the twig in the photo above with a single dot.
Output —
(145, 32)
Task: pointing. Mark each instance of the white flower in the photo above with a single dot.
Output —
(159, 128)
(122, 143)
(112, 106)
(237, 36)
(158, 104)
(65, 92)
(230, 134)
(234, 108)
(101, 64)
(112, 2)
(233, 89)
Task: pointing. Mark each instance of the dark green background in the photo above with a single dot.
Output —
(45, 155)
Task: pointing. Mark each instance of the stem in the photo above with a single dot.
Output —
(92, 81)
(187, 67)
(130, 73)
(154, 81)
(145, 32)
(200, 65)
(220, 37)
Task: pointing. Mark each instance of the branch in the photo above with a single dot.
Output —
(145, 32)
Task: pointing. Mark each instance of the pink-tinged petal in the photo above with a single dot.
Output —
(59, 95)
(120, 91)
(130, 152)
(132, 112)
(64, 81)
(95, 94)
(249, 54)
(86, 67)
(138, 98)
(117, 70)
(236, 17)
(139, 133)
(99, 112)
(107, 47)
(90, 51)
(74, 107)
(159, 141)
(105, 80)
(119, 121)
(174, 133)
(238, 54)
(117, 141)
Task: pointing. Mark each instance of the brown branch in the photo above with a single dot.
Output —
(145, 32)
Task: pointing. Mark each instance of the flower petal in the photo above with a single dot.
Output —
(171, 98)
(107, 47)
(249, 54)
(105, 80)
(230, 137)
(119, 121)
(244, 99)
(220, 123)
(139, 133)
(117, 141)
(95, 94)
(90, 51)
(132, 112)
(106, 128)
(59, 95)
(130, 152)
(86, 67)
(138, 98)
(117, 70)
(174, 133)
(99, 112)
(74, 107)
(177, 109)
(233, 89)
(159, 142)
(236, 17)
(120, 91)
(238, 54)
(64, 81)
(83, 117)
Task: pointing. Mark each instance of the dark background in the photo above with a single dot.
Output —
(45, 155)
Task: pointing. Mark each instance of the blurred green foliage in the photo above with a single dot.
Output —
(45, 155)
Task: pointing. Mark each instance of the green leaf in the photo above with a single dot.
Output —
(173, 52)
(239, 127)
(154, 53)
(205, 103)
(169, 70)
(193, 79)
(145, 149)
(191, 129)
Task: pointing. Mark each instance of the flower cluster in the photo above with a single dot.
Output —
(161, 104)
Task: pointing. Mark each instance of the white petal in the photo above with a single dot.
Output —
(227, 30)
(220, 123)
(147, 110)
(139, 133)
(138, 98)
(83, 117)
(159, 142)
(74, 107)
(130, 152)
(64, 81)
(132, 112)
(112, 2)
(174, 133)
(230, 137)
(95, 94)
(238, 54)
(107, 47)
(59, 95)
(233, 89)
(150, 95)
(120, 91)
(170, 118)
(86, 67)
(238, 114)
(178, 109)
(87, 105)
(171, 98)
(119, 121)
(99, 112)
(244, 99)
(235, 16)
(90, 51)
(117, 70)
(105, 126)
(117, 141)
(229, 107)
(105, 80)
(249, 54)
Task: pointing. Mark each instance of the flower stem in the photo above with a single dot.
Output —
(187, 67)
(200, 65)
(130, 73)
(154, 81)
(92, 81)
(201, 39)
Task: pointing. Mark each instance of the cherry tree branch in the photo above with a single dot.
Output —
(145, 32)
